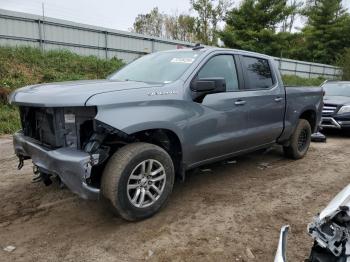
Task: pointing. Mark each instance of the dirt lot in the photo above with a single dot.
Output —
(214, 216)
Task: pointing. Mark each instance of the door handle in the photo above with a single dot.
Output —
(240, 102)
(278, 99)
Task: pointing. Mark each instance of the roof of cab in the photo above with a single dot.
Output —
(213, 49)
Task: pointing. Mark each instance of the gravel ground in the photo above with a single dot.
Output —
(221, 213)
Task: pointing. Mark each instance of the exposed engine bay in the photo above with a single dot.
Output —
(67, 128)
(58, 127)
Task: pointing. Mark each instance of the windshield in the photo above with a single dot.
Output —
(162, 67)
(337, 89)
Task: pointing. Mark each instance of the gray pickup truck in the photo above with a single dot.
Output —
(126, 138)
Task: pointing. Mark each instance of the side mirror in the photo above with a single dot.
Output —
(208, 85)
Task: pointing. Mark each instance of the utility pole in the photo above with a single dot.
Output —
(43, 13)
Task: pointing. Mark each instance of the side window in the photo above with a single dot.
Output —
(257, 73)
(221, 66)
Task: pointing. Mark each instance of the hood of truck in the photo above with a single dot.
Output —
(73, 93)
(337, 100)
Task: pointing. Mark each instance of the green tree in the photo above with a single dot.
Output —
(180, 27)
(253, 26)
(172, 26)
(295, 10)
(210, 13)
(149, 24)
(187, 28)
(327, 30)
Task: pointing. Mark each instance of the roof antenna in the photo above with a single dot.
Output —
(197, 46)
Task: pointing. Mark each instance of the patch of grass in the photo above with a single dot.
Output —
(291, 80)
(21, 66)
(9, 119)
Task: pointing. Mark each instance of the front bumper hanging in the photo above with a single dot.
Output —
(71, 165)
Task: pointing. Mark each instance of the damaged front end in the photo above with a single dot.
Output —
(66, 142)
(72, 166)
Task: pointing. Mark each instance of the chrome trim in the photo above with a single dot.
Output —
(344, 122)
(334, 124)
(329, 109)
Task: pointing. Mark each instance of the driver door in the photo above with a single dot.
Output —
(220, 127)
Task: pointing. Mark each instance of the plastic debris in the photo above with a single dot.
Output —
(249, 253)
(318, 137)
(206, 170)
(264, 165)
(9, 248)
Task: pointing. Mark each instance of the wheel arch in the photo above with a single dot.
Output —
(166, 139)
(311, 116)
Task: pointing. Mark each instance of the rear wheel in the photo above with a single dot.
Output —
(300, 141)
(138, 180)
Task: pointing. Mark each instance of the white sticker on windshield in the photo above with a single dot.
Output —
(183, 60)
(69, 118)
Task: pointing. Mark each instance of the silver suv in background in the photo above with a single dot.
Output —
(336, 110)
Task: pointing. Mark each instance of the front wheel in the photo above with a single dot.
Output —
(300, 140)
(138, 180)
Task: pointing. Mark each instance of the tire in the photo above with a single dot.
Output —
(123, 181)
(300, 141)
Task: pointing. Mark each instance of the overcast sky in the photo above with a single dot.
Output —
(116, 14)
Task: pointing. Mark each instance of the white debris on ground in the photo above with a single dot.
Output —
(206, 170)
(9, 248)
(263, 165)
(230, 162)
(250, 253)
(150, 253)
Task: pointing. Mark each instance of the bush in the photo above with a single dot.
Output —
(292, 80)
(4, 93)
(26, 65)
(21, 66)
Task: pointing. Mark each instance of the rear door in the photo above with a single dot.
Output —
(265, 99)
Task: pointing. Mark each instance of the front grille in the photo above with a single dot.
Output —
(329, 110)
(49, 126)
